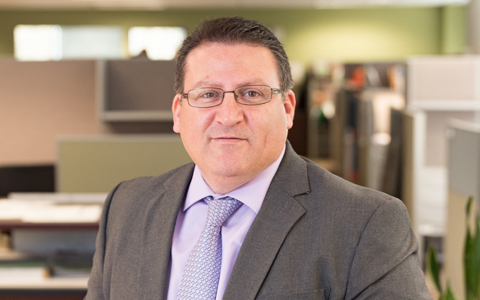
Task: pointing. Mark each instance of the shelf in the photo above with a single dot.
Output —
(9, 225)
(135, 90)
(445, 105)
(53, 283)
(72, 284)
(136, 116)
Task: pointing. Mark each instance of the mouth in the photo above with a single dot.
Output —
(228, 139)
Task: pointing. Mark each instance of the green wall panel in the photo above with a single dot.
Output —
(454, 27)
(96, 165)
(345, 34)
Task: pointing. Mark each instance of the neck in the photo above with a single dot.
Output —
(223, 185)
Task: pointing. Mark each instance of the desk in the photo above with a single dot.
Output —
(17, 224)
(42, 295)
(53, 288)
(48, 288)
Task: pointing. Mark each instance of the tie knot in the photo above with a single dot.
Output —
(220, 209)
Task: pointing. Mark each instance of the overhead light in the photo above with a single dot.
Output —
(162, 4)
(383, 3)
(120, 3)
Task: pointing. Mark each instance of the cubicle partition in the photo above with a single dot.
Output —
(440, 88)
(41, 100)
(96, 164)
(463, 182)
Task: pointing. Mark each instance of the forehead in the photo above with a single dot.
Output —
(223, 64)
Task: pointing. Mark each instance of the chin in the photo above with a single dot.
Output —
(229, 169)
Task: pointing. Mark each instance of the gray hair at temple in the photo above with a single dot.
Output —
(231, 31)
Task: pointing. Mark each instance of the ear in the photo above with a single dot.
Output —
(176, 107)
(289, 106)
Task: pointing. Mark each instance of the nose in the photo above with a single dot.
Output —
(229, 113)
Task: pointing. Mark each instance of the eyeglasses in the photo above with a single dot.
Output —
(245, 95)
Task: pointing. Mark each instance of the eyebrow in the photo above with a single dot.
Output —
(207, 83)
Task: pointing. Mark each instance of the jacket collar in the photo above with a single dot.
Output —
(159, 224)
(279, 212)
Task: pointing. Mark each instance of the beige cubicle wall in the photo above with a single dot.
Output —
(42, 100)
(463, 182)
(96, 164)
(440, 88)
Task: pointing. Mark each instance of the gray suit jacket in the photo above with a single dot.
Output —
(316, 237)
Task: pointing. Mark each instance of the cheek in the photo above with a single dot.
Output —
(275, 119)
(278, 127)
(194, 124)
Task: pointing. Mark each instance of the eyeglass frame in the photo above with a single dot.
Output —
(275, 91)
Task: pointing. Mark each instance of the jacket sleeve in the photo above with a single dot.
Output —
(386, 264)
(98, 283)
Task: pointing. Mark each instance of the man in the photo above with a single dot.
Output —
(292, 230)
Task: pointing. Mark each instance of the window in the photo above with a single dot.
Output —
(160, 43)
(90, 42)
(55, 42)
(38, 42)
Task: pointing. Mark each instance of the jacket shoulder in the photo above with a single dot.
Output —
(343, 192)
(144, 188)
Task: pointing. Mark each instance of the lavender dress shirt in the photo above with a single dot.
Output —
(192, 218)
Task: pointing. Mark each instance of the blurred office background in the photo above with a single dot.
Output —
(388, 96)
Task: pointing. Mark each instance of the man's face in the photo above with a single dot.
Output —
(232, 143)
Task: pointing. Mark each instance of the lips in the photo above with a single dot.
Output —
(228, 135)
(229, 138)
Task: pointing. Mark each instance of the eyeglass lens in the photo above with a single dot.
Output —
(248, 95)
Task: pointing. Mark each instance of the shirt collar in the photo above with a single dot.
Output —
(251, 193)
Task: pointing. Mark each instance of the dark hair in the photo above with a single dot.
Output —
(231, 31)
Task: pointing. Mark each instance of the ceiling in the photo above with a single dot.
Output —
(165, 4)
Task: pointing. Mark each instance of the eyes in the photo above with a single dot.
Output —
(242, 93)
(252, 94)
(208, 95)
(246, 95)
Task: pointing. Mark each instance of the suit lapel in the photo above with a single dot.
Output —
(278, 214)
(159, 224)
